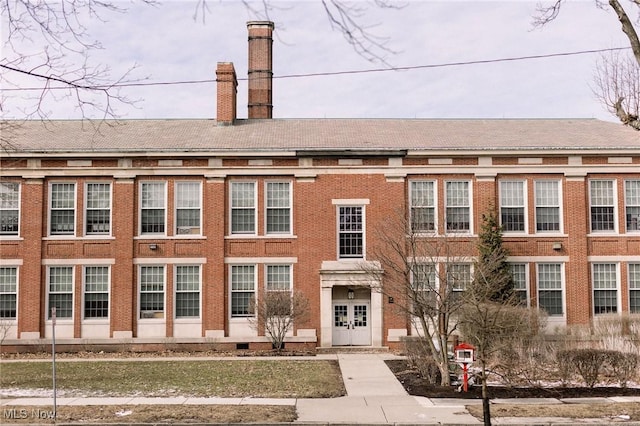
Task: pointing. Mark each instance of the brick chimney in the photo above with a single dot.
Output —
(260, 69)
(227, 85)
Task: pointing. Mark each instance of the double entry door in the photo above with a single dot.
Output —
(351, 323)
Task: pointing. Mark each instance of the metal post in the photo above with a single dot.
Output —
(53, 354)
(465, 377)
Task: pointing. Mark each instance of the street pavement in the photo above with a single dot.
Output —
(374, 397)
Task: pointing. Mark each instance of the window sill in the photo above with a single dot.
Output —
(260, 237)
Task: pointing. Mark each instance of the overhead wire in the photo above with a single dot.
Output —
(317, 74)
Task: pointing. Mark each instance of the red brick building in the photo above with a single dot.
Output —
(165, 231)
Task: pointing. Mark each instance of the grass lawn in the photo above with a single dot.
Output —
(205, 378)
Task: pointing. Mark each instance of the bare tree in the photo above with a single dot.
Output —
(490, 324)
(426, 276)
(277, 312)
(617, 86)
(63, 67)
(621, 105)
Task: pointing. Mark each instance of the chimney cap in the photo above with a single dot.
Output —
(260, 24)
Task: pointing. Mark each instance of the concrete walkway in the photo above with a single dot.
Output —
(374, 396)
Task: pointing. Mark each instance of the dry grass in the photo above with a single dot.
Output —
(574, 411)
(203, 414)
(204, 378)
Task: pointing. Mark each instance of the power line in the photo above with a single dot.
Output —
(319, 74)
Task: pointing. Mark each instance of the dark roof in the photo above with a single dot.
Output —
(307, 135)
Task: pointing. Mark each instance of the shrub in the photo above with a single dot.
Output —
(419, 358)
(565, 365)
(624, 366)
(588, 363)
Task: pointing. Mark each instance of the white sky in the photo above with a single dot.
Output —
(169, 46)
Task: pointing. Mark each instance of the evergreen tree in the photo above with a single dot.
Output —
(492, 260)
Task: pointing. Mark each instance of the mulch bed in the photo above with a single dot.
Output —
(416, 385)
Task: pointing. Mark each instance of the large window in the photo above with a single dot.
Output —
(632, 204)
(8, 292)
(351, 232)
(152, 291)
(605, 283)
(459, 276)
(60, 286)
(96, 292)
(602, 199)
(9, 208)
(278, 278)
(547, 206)
(243, 207)
(188, 291)
(243, 290)
(152, 207)
(63, 208)
(519, 274)
(98, 209)
(634, 288)
(458, 206)
(423, 282)
(512, 206)
(550, 288)
(278, 205)
(188, 196)
(423, 206)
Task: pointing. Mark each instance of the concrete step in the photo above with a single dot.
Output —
(353, 350)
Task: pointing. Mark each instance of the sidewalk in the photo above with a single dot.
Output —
(374, 396)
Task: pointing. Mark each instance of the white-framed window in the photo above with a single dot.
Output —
(604, 278)
(9, 208)
(423, 286)
(278, 207)
(520, 280)
(188, 208)
(350, 232)
(278, 297)
(458, 279)
(98, 209)
(602, 205)
(458, 206)
(243, 290)
(547, 196)
(512, 206)
(278, 278)
(8, 292)
(632, 204)
(60, 291)
(549, 284)
(153, 208)
(96, 292)
(422, 199)
(152, 285)
(243, 207)
(188, 280)
(62, 211)
(634, 288)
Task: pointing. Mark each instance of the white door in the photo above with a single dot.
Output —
(351, 323)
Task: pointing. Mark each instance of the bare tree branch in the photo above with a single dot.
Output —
(426, 276)
(617, 86)
(627, 27)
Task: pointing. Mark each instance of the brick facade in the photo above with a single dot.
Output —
(328, 169)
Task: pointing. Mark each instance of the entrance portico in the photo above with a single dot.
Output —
(350, 305)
